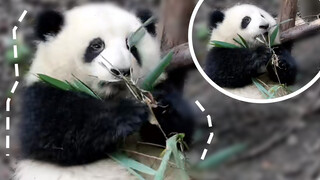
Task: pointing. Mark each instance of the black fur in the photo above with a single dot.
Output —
(48, 23)
(236, 67)
(144, 15)
(173, 113)
(214, 18)
(68, 128)
(287, 70)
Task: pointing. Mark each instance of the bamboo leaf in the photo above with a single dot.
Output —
(244, 42)
(126, 166)
(154, 75)
(223, 44)
(54, 82)
(135, 37)
(163, 166)
(130, 163)
(82, 87)
(77, 86)
(262, 89)
(273, 35)
(172, 149)
(220, 157)
(240, 43)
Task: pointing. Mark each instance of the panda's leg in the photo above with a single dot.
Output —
(286, 72)
(234, 67)
(173, 114)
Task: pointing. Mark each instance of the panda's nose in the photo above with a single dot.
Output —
(124, 72)
(265, 26)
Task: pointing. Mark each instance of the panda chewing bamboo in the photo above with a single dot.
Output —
(67, 135)
(234, 68)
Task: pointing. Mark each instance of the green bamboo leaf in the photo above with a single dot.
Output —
(263, 90)
(223, 44)
(133, 164)
(163, 166)
(77, 86)
(115, 158)
(273, 35)
(220, 157)
(154, 75)
(240, 43)
(244, 42)
(172, 149)
(54, 82)
(82, 87)
(135, 37)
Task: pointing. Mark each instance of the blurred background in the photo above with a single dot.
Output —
(277, 141)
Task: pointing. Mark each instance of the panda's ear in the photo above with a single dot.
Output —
(215, 17)
(144, 15)
(48, 22)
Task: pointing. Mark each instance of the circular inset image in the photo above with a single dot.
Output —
(247, 53)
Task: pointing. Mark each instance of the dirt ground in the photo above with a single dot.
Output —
(283, 138)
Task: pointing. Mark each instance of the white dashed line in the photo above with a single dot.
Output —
(16, 83)
(14, 87)
(209, 141)
(200, 106)
(8, 104)
(22, 15)
(7, 123)
(7, 142)
(210, 138)
(15, 51)
(209, 121)
(16, 70)
(14, 32)
(204, 153)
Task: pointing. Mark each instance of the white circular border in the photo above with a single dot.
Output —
(249, 100)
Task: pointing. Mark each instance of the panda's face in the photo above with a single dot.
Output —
(92, 46)
(246, 20)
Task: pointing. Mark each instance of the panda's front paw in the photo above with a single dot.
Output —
(130, 116)
(263, 55)
(259, 60)
(283, 65)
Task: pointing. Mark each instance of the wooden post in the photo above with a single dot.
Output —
(288, 11)
(174, 22)
(173, 34)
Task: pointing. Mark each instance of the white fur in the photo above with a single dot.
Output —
(231, 27)
(62, 56)
(102, 170)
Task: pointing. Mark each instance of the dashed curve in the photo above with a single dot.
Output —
(16, 83)
(211, 135)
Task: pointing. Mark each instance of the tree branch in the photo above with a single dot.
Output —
(181, 57)
(300, 31)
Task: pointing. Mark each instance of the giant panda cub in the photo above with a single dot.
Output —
(67, 135)
(234, 68)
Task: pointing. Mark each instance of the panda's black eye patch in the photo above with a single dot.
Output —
(245, 22)
(134, 52)
(96, 46)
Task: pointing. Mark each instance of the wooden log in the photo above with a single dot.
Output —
(288, 11)
(300, 31)
(174, 21)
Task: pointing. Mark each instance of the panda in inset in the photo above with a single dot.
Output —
(234, 68)
(67, 135)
